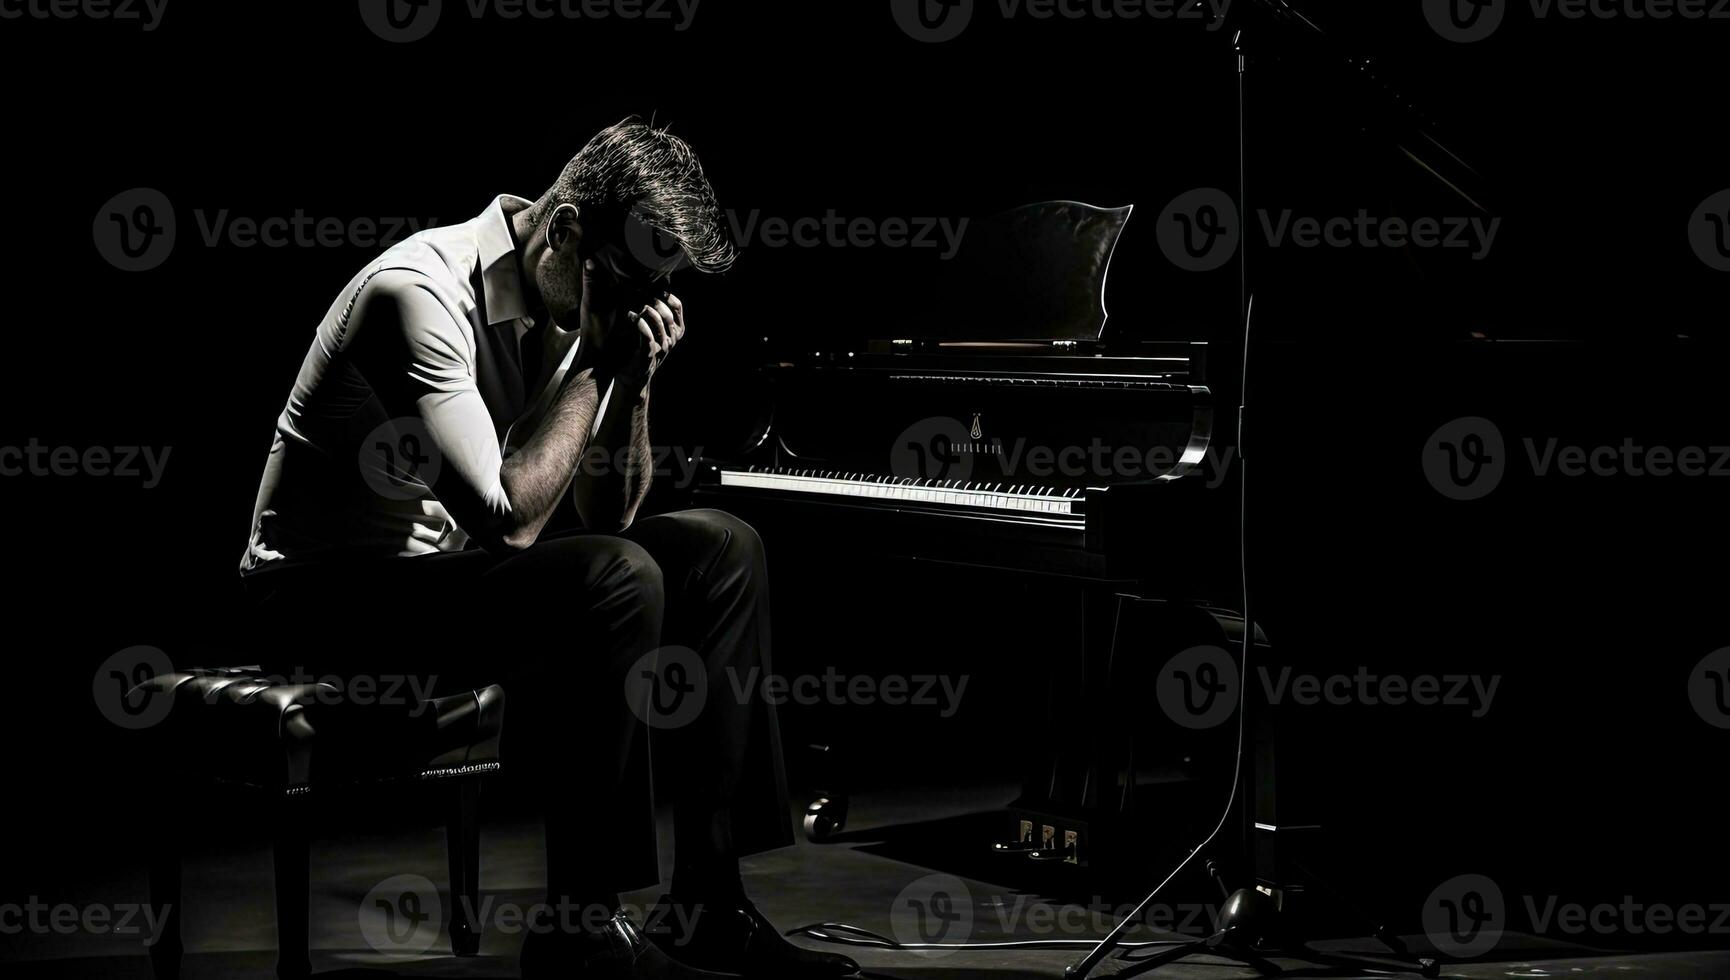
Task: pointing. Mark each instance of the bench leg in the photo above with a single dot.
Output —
(291, 847)
(164, 866)
(463, 833)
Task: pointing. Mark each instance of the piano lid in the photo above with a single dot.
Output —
(1034, 273)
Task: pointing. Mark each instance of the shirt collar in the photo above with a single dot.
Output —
(501, 279)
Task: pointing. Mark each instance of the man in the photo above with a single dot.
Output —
(437, 422)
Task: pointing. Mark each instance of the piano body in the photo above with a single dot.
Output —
(1049, 452)
(1045, 458)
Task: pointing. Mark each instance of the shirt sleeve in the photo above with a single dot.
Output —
(409, 348)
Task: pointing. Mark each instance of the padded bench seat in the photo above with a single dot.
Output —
(292, 740)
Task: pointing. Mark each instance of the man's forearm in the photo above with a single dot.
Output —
(535, 477)
(608, 498)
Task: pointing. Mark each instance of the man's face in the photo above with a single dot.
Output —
(608, 283)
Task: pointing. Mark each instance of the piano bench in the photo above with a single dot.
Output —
(233, 726)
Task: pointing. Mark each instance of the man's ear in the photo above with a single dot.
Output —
(562, 228)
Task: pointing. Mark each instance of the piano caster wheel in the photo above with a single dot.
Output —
(824, 818)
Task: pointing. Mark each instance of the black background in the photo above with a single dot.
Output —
(1592, 597)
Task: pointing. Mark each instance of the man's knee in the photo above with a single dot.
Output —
(732, 544)
(625, 572)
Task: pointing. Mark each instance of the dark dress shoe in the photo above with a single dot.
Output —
(617, 952)
(736, 938)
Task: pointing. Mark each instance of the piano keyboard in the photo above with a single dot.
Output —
(1024, 498)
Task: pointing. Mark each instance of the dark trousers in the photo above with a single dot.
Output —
(598, 640)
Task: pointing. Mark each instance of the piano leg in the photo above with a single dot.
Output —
(1076, 775)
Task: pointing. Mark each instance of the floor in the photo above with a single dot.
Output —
(230, 933)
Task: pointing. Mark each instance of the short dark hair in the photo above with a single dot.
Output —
(634, 171)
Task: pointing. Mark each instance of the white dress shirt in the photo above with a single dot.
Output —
(407, 400)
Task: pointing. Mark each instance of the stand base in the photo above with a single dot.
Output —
(1250, 932)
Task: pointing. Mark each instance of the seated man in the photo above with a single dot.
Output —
(438, 420)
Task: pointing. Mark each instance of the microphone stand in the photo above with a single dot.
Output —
(1254, 923)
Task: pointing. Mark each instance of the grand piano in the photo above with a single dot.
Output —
(1046, 450)
(1009, 433)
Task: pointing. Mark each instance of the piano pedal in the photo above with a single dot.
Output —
(1068, 853)
(1024, 844)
